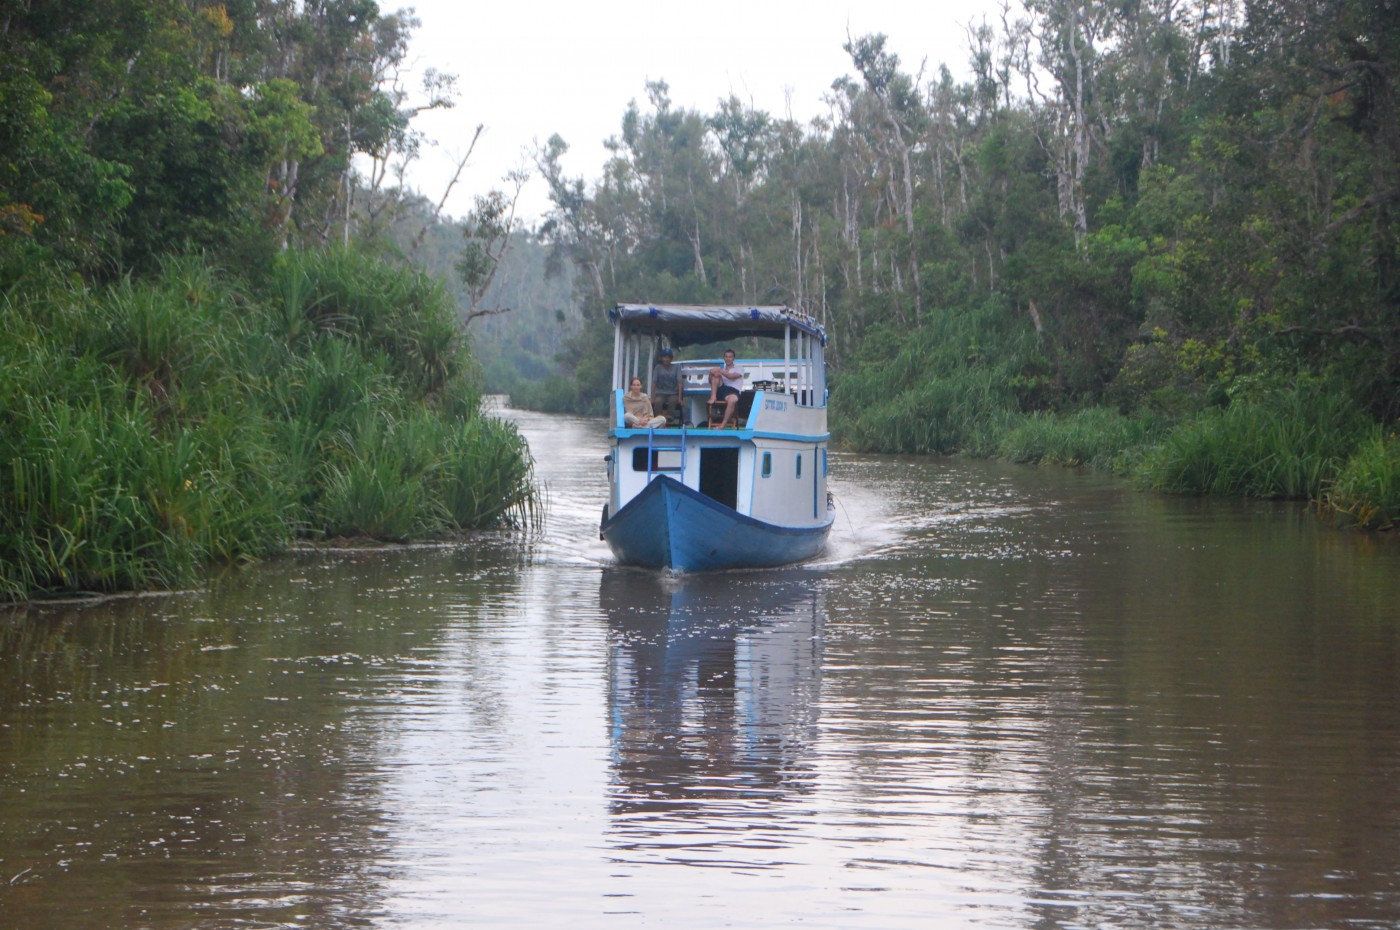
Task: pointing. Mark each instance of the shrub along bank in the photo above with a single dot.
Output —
(1262, 431)
(154, 427)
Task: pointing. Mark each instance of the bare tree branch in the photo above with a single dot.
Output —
(437, 211)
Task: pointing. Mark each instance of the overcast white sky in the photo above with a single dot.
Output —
(528, 69)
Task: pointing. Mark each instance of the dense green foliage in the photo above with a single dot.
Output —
(1285, 443)
(130, 130)
(151, 427)
(158, 414)
(1170, 224)
(1367, 492)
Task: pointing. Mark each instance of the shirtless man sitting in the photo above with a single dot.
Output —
(726, 384)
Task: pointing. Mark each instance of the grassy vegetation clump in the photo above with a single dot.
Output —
(151, 428)
(1250, 432)
(1366, 492)
(1097, 437)
(939, 389)
(1281, 443)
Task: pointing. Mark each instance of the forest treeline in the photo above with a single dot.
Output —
(213, 347)
(1157, 236)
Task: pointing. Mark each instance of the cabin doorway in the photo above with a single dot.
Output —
(719, 475)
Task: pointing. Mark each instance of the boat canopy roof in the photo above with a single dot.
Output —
(691, 324)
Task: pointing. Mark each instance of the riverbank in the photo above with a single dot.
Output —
(157, 427)
(1236, 430)
(1288, 445)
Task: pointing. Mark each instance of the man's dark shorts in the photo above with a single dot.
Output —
(726, 391)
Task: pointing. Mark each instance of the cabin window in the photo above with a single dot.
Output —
(799, 465)
(767, 464)
(661, 459)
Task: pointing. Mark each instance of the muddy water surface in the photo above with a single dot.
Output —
(1005, 698)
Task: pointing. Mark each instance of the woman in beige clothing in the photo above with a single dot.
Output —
(636, 408)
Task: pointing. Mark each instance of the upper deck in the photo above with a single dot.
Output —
(643, 330)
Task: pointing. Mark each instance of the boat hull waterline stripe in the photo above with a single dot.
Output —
(669, 525)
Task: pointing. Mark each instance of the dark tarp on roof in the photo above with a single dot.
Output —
(689, 324)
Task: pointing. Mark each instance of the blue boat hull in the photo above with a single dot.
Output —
(669, 525)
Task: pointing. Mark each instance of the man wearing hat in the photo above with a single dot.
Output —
(666, 387)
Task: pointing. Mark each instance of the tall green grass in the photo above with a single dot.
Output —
(376, 478)
(385, 311)
(1280, 443)
(1366, 492)
(963, 412)
(1097, 437)
(152, 428)
(487, 476)
(91, 503)
(424, 477)
(939, 389)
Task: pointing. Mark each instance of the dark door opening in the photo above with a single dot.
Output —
(719, 475)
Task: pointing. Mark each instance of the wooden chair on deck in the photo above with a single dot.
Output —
(742, 407)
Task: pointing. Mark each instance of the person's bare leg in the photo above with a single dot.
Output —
(715, 379)
(729, 403)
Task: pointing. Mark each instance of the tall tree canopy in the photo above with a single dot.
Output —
(1170, 197)
(133, 128)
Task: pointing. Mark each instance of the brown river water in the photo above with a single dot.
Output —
(1005, 698)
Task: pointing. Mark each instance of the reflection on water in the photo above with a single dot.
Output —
(712, 704)
(203, 759)
(1005, 698)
